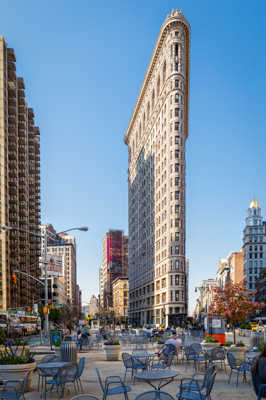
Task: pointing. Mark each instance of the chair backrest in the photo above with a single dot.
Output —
(209, 384)
(196, 347)
(81, 366)
(127, 360)
(24, 383)
(99, 379)
(84, 397)
(231, 360)
(218, 353)
(209, 371)
(154, 395)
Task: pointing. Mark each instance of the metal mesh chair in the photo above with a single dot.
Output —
(108, 390)
(154, 395)
(163, 364)
(42, 374)
(189, 392)
(235, 367)
(217, 354)
(14, 388)
(194, 384)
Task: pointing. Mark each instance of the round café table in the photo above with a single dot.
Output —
(54, 366)
(163, 377)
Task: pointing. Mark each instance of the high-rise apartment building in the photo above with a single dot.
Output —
(64, 246)
(114, 264)
(20, 188)
(254, 244)
(156, 140)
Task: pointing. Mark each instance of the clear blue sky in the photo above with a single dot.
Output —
(84, 62)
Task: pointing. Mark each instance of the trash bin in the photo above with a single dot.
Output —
(69, 352)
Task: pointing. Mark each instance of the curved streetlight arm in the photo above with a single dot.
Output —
(83, 228)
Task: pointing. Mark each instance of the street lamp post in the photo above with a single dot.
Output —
(44, 262)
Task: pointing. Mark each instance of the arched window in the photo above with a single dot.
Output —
(152, 99)
(158, 86)
(164, 71)
(144, 120)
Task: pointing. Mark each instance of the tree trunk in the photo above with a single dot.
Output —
(234, 332)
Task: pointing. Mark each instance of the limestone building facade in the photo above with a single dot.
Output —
(20, 188)
(120, 298)
(254, 244)
(156, 140)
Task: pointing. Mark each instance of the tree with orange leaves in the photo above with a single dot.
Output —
(234, 304)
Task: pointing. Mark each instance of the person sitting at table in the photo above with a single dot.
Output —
(172, 345)
(259, 367)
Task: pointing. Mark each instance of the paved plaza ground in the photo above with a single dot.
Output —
(96, 359)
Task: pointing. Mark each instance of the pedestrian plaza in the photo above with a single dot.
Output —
(95, 358)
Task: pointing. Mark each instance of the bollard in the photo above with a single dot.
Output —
(69, 352)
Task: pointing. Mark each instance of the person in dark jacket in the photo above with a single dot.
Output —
(259, 368)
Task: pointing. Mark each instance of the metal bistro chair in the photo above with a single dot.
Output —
(64, 375)
(201, 393)
(243, 367)
(42, 374)
(217, 354)
(192, 355)
(163, 364)
(14, 388)
(72, 375)
(154, 395)
(193, 384)
(119, 388)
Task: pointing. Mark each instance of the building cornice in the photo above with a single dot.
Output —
(175, 18)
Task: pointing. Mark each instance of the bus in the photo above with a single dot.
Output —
(20, 324)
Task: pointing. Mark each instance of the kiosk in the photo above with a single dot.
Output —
(215, 327)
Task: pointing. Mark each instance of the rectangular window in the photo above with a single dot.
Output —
(176, 153)
(176, 112)
(177, 295)
(176, 181)
(177, 195)
(176, 167)
(176, 83)
(176, 139)
(176, 67)
(177, 236)
(176, 126)
(171, 280)
(176, 49)
(176, 98)
(177, 208)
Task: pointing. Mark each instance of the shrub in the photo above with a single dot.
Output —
(210, 339)
(112, 342)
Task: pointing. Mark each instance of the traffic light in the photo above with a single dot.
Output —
(14, 278)
(45, 310)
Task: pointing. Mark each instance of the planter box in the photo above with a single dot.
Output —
(18, 350)
(208, 346)
(238, 352)
(112, 352)
(17, 371)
